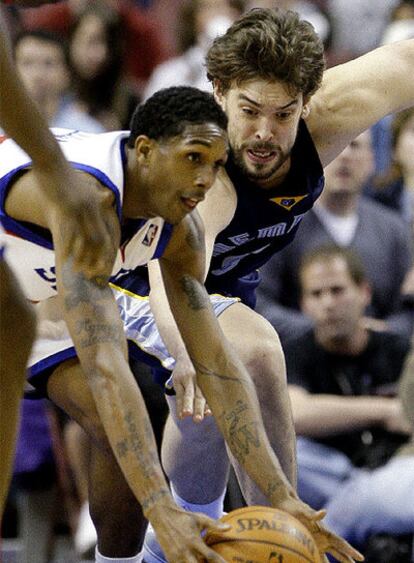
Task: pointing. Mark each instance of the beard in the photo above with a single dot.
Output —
(256, 172)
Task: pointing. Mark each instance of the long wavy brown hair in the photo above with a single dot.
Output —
(268, 44)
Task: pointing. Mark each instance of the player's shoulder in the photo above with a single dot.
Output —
(220, 203)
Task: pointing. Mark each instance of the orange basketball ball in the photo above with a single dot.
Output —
(259, 534)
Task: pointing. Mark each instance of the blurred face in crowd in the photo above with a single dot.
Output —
(332, 299)
(41, 65)
(404, 148)
(263, 123)
(213, 17)
(350, 170)
(89, 49)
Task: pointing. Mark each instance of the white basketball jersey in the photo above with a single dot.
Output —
(29, 249)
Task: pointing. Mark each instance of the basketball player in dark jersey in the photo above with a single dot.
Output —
(287, 120)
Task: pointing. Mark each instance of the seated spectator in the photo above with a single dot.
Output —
(41, 62)
(342, 384)
(343, 216)
(96, 58)
(200, 21)
(144, 47)
(395, 187)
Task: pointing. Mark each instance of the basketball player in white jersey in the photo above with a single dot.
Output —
(82, 229)
(147, 185)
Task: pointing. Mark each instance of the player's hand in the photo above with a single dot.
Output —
(80, 222)
(326, 541)
(179, 534)
(86, 237)
(189, 398)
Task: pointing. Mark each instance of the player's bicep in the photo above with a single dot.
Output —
(356, 94)
(216, 211)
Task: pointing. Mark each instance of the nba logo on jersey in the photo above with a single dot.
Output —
(150, 234)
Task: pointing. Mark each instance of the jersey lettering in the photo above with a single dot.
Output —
(274, 231)
(48, 275)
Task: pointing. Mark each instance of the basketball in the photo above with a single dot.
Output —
(259, 534)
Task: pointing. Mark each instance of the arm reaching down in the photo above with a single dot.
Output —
(226, 384)
(190, 401)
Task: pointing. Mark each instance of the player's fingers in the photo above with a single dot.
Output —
(179, 397)
(209, 555)
(199, 406)
(188, 400)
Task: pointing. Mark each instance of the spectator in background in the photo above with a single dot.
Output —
(343, 216)
(342, 384)
(144, 48)
(400, 27)
(41, 62)
(200, 21)
(96, 57)
(357, 25)
(395, 187)
(307, 9)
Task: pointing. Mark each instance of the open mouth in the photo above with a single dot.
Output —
(190, 203)
(261, 156)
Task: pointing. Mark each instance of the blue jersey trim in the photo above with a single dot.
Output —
(28, 233)
(163, 240)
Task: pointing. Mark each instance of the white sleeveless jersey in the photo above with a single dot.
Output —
(30, 250)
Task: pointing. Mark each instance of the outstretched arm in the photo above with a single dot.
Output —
(92, 316)
(357, 94)
(225, 382)
(86, 232)
(190, 401)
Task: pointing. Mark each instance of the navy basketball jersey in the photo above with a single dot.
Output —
(265, 221)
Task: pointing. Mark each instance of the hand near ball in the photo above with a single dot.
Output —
(326, 541)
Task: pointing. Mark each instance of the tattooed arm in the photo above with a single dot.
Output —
(91, 314)
(227, 386)
(222, 378)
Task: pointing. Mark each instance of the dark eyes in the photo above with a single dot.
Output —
(194, 157)
(249, 111)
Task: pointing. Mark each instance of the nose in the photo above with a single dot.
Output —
(264, 130)
(205, 178)
(327, 300)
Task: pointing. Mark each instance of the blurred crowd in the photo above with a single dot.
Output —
(87, 63)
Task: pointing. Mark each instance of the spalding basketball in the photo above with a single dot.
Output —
(259, 534)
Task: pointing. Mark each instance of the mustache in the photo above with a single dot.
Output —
(261, 146)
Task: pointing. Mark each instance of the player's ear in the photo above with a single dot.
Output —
(306, 108)
(143, 147)
(218, 93)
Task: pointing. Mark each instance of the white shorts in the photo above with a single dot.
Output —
(54, 344)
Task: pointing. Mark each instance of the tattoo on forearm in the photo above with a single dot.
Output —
(95, 333)
(197, 296)
(80, 290)
(151, 500)
(204, 370)
(137, 444)
(240, 435)
(273, 488)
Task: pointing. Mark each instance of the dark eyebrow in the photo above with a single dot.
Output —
(198, 142)
(247, 99)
